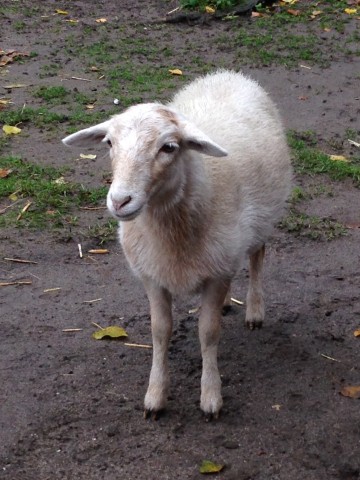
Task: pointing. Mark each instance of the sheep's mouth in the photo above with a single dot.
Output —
(129, 216)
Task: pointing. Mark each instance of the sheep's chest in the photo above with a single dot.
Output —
(174, 258)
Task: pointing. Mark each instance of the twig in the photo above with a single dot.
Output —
(330, 358)
(238, 302)
(173, 11)
(93, 208)
(138, 345)
(19, 260)
(68, 330)
(80, 250)
(25, 282)
(47, 290)
(354, 143)
(97, 325)
(92, 301)
(82, 79)
(25, 209)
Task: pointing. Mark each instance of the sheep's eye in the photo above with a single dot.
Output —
(168, 148)
(109, 143)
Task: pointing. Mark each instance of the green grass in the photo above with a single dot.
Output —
(53, 198)
(50, 94)
(311, 161)
(312, 227)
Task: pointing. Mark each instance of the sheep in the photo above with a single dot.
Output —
(188, 218)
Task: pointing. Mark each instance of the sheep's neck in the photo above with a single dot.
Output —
(182, 208)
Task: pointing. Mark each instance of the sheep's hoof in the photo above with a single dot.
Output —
(226, 309)
(152, 414)
(209, 417)
(253, 324)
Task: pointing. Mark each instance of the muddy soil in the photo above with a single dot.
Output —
(72, 407)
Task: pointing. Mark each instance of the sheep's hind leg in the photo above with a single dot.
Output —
(213, 297)
(255, 310)
(161, 327)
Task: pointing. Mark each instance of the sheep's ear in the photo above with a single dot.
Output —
(195, 139)
(88, 136)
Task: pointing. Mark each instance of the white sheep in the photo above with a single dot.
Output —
(188, 219)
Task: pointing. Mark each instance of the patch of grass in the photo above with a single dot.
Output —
(311, 161)
(104, 232)
(51, 94)
(53, 199)
(312, 227)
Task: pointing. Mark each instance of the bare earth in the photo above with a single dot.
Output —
(71, 407)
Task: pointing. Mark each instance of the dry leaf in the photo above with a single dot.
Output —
(90, 107)
(112, 332)
(294, 12)
(350, 11)
(90, 156)
(13, 196)
(315, 13)
(338, 158)
(357, 333)
(210, 467)
(10, 130)
(61, 12)
(94, 69)
(5, 172)
(101, 20)
(351, 391)
(9, 56)
(209, 9)
(99, 251)
(175, 71)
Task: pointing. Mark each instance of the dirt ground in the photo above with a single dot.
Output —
(72, 407)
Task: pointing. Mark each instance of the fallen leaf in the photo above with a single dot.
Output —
(60, 181)
(10, 55)
(327, 29)
(175, 71)
(5, 172)
(296, 13)
(101, 20)
(351, 391)
(13, 196)
(61, 12)
(72, 20)
(350, 11)
(338, 158)
(209, 9)
(210, 467)
(357, 333)
(10, 130)
(89, 156)
(315, 13)
(90, 107)
(94, 69)
(99, 251)
(112, 332)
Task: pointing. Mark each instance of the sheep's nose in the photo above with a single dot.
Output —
(120, 203)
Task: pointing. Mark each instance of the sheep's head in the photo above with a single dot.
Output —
(148, 145)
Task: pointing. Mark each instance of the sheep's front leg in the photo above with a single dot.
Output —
(255, 310)
(161, 327)
(213, 297)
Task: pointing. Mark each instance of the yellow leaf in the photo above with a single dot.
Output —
(101, 20)
(357, 333)
(61, 12)
(338, 158)
(112, 332)
(13, 197)
(351, 391)
(90, 156)
(209, 9)
(315, 13)
(176, 71)
(60, 181)
(9, 130)
(350, 11)
(210, 467)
